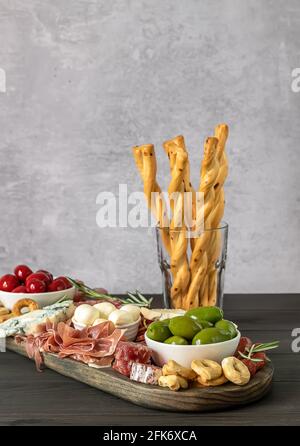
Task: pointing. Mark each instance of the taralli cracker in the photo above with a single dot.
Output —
(213, 382)
(5, 317)
(207, 369)
(173, 368)
(236, 371)
(24, 303)
(174, 382)
(3, 311)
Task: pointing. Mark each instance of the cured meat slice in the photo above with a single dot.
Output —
(94, 362)
(94, 345)
(98, 341)
(140, 337)
(133, 352)
(33, 346)
(122, 366)
(128, 353)
(245, 343)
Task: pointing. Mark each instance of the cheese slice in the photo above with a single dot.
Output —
(29, 323)
(160, 313)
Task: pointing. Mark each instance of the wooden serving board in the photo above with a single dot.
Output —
(190, 400)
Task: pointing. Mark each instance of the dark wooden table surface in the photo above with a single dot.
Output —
(31, 398)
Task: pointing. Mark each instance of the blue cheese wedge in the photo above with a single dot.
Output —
(29, 323)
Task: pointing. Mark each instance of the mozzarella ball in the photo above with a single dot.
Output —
(105, 308)
(86, 314)
(133, 310)
(99, 321)
(120, 317)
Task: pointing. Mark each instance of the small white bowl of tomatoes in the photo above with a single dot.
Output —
(39, 286)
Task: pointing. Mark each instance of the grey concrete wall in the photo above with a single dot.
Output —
(86, 80)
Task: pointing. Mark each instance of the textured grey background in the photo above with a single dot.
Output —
(86, 80)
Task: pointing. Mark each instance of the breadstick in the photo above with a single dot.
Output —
(221, 132)
(209, 172)
(211, 289)
(145, 160)
(176, 151)
(178, 238)
(204, 292)
(192, 299)
(213, 253)
(149, 171)
(182, 273)
(172, 147)
(175, 187)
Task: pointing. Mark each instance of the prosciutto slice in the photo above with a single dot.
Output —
(96, 342)
(94, 345)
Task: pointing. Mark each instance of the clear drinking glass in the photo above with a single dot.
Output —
(215, 271)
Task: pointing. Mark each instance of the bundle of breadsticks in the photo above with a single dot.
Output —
(195, 276)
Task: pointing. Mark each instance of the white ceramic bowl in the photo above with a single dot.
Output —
(185, 354)
(42, 299)
(131, 330)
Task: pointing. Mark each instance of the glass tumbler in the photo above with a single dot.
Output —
(204, 263)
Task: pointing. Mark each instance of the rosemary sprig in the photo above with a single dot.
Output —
(251, 359)
(136, 299)
(267, 346)
(62, 299)
(256, 348)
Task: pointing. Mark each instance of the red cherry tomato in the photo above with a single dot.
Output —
(35, 285)
(57, 285)
(22, 272)
(20, 289)
(66, 281)
(40, 276)
(46, 272)
(8, 282)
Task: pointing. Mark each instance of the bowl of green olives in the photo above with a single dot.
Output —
(201, 333)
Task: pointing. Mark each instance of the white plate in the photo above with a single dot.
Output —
(42, 299)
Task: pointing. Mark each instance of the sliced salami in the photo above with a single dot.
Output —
(132, 352)
(123, 367)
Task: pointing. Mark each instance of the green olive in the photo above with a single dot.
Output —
(203, 323)
(209, 314)
(226, 327)
(165, 322)
(183, 326)
(210, 335)
(176, 340)
(158, 331)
